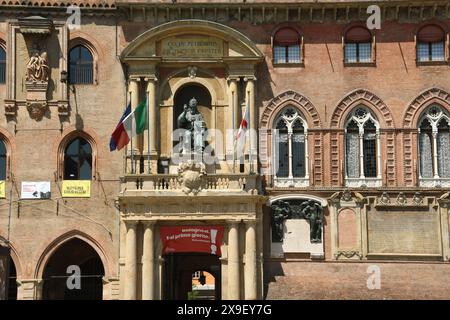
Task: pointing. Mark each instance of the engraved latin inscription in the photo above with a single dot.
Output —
(403, 232)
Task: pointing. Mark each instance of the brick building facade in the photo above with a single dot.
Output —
(352, 125)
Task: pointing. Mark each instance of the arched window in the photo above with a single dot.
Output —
(2, 65)
(287, 46)
(78, 160)
(358, 45)
(430, 44)
(362, 149)
(434, 147)
(3, 161)
(81, 65)
(290, 145)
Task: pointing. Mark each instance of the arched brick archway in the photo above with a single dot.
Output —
(364, 97)
(72, 248)
(421, 102)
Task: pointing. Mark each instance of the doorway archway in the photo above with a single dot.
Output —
(180, 279)
(60, 266)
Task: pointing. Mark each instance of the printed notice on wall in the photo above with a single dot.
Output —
(192, 239)
(2, 189)
(76, 188)
(36, 190)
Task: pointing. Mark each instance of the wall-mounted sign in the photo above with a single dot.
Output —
(192, 239)
(76, 188)
(2, 189)
(36, 190)
(192, 46)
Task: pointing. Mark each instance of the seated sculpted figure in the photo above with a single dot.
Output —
(195, 128)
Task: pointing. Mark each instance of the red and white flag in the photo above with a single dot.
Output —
(241, 135)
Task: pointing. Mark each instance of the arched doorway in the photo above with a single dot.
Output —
(12, 285)
(63, 264)
(181, 281)
(8, 275)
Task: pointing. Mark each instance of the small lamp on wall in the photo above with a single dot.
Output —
(64, 76)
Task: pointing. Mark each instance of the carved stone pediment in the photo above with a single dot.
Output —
(192, 177)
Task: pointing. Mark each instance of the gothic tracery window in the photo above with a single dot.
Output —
(362, 147)
(3, 161)
(434, 144)
(290, 145)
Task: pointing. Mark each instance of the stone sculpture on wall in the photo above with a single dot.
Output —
(38, 68)
(309, 210)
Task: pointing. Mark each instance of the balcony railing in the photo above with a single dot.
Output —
(230, 182)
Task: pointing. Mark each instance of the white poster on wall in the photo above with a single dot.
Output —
(36, 190)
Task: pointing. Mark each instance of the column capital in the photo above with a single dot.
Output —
(233, 222)
(131, 223)
(132, 77)
(148, 223)
(152, 78)
(249, 78)
(250, 222)
(233, 78)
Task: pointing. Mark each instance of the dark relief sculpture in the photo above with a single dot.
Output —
(309, 210)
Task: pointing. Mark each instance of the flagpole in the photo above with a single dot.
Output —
(250, 157)
(148, 131)
(132, 151)
(233, 130)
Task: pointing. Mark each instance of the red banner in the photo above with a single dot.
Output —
(192, 239)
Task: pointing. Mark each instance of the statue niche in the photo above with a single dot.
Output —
(194, 135)
(36, 82)
(309, 210)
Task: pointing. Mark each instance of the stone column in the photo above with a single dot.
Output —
(361, 154)
(250, 94)
(435, 156)
(148, 262)
(378, 155)
(250, 282)
(133, 94)
(152, 115)
(233, 261)
(130, 261)
(234, 112)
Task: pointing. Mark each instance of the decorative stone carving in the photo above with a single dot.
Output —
(38, 69)
(346, 196)
(192, 177)
(309, 210)
(384, 199)
(37, 76)
(417, 198)
(192, 72)
(401, 199)
(348, 254)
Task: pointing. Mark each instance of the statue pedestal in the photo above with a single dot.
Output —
(36, 98)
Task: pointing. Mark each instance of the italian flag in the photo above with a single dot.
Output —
(134, 124)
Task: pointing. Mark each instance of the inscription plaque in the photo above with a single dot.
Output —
(192, 46)
(403, 232)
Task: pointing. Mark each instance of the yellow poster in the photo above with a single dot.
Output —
(76, 188)
(2, 189)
